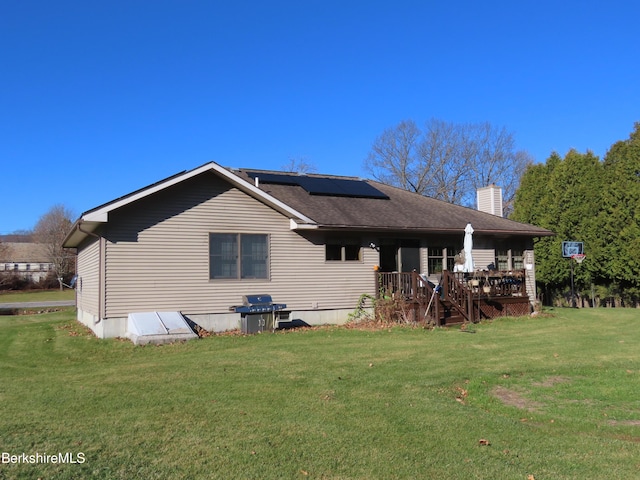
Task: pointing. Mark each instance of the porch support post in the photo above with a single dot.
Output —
(414, 286)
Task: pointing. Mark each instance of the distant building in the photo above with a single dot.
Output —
(27, 260)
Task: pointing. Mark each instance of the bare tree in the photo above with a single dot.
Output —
(299, 165)
(497, 162)
(394, 157)
(51, 230)
(448, 161)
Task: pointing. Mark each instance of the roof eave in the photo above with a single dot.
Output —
(441, 231)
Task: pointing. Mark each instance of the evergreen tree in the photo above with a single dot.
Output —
(564, 196)
(619, 217)
(531, 205)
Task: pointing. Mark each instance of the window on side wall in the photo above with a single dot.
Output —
(343, 251)
(435, 261)
(509, 259)
(439, 257)
(517, 259)
(236, 256)
(502, 259)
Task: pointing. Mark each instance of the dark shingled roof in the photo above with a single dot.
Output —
(402, 211)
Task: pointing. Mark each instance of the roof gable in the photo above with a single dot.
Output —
(90, 220)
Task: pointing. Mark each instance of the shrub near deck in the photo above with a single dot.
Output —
(552, 397)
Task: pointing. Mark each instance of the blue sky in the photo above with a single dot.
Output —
(98, 99)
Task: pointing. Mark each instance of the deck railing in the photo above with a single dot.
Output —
(412, 287)
(461, 290)
(496, 283)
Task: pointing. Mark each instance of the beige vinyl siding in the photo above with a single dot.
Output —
(88, 271)
(306, 281)
(157, 255)
(529, 259)
(482, 257)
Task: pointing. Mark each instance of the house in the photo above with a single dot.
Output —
(27, 260)
(198, 241)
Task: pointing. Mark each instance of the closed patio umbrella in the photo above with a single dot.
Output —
(468, 246)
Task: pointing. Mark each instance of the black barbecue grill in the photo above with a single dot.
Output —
(259, 313)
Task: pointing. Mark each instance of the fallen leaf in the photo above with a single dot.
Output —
(304, 472)
(462, 391)
(484, 442)
(531, 477)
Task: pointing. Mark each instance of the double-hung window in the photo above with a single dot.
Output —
(507, 259)
(441, 258)
(238, 256)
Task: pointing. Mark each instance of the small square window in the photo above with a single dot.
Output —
(352, 252)
(333, 253)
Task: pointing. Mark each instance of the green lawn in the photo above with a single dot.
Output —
(552, 397)
(37, 296)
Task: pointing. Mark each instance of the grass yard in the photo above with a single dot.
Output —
(37, 296)
(551, 397)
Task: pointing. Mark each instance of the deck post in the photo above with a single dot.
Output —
(414, 286)
(437, 310)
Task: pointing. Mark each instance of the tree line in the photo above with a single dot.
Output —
(582, 198)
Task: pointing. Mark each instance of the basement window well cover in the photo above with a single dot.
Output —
(158, 327)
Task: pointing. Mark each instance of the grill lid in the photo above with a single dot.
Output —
(256, 300)
(262, 303)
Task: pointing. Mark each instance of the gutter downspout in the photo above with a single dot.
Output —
(100, 270)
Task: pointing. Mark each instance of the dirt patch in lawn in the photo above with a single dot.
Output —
(628, 423)
(552, 381)
(515, 399)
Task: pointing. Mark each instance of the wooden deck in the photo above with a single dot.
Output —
(457, 297)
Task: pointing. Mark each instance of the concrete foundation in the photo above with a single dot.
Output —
(215, 322)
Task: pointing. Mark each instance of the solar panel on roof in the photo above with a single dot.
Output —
(341, 187)
(276, 178)
(338, 187)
